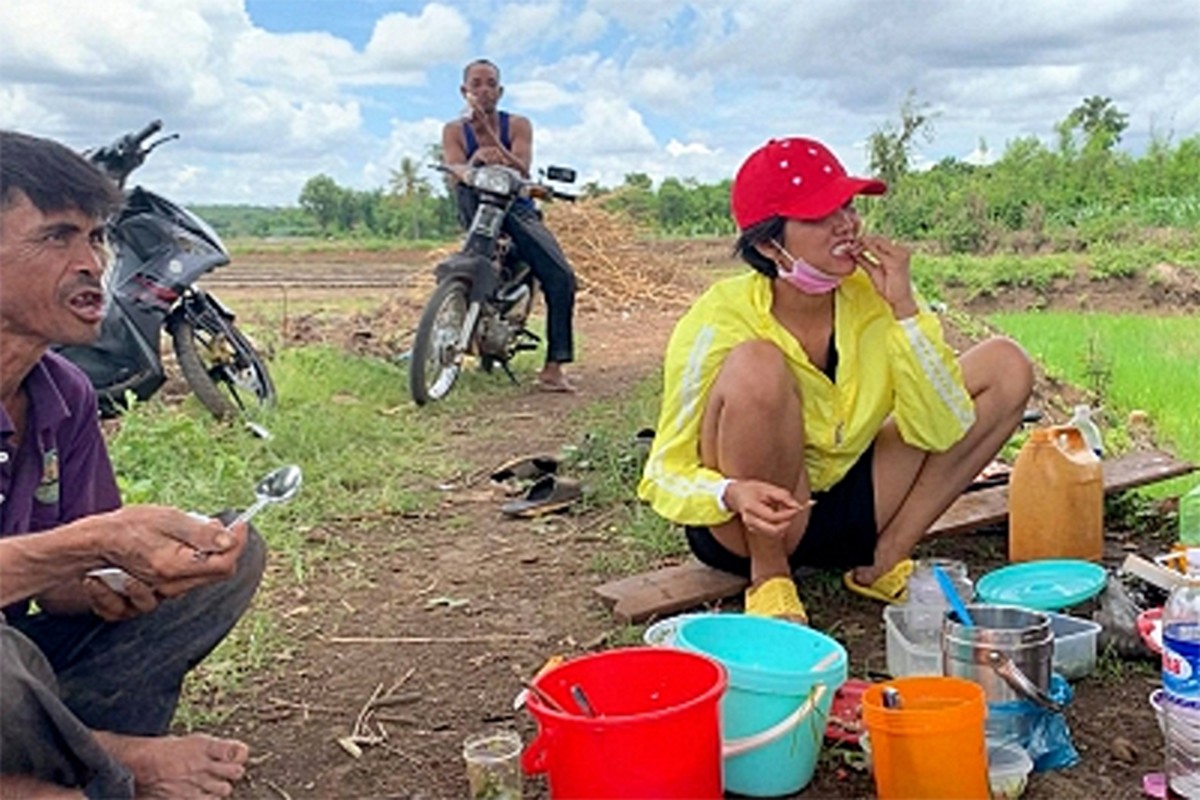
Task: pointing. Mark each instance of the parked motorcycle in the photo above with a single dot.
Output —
(485, 291)
(160, 251)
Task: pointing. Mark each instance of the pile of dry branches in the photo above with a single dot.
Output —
(615, 266)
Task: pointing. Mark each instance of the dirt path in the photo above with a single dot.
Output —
(438, 617)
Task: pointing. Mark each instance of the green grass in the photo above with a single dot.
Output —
(612, 465)
(1125, 363)
(985, 275)
(364, 452)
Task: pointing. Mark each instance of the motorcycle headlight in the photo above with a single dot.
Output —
(493, 179)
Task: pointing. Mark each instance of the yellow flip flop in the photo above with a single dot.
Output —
(890, 587)
(776, 597)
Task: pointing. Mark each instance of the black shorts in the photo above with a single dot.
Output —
(841, 528)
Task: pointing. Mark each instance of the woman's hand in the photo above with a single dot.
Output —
(764, 508)
(887, 265)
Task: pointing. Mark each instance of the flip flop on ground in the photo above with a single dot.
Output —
(890, 587)
(525, 468)
(548, 494)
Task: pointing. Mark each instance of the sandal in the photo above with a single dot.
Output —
(549, 493)
(776, 597)
(890, 587)
(525, 468)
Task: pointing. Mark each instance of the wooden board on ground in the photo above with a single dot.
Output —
(691, 584)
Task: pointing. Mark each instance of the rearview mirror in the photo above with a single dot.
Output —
(563, 174)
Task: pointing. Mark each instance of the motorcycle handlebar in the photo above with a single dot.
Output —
(531, 187)
(125, 154)
(145, 133)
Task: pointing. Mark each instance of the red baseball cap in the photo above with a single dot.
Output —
(795, 178)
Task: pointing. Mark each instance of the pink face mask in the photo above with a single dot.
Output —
(807, 278)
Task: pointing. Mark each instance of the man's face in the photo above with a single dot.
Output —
(484, 86)
(50, 270)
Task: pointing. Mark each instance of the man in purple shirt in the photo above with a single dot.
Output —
(89, 683)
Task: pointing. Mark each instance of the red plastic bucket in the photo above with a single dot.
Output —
(656, 733)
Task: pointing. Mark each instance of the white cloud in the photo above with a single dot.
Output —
(520, 27)
(608, 126)
(401, 44)
(665, 88)
(537, 95)
(613, 86)
(303, 62)
(677, 149)
(588, 26)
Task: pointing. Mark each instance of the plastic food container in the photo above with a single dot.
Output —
(904, 656)
(1074, 646)
(1008, 770)
(662, 632)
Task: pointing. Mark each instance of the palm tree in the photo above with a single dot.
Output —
(410, 189)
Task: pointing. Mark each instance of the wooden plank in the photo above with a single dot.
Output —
(990, 506)
(685, 586)
(664, 591)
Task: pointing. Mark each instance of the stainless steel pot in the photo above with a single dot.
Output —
(1009, 651)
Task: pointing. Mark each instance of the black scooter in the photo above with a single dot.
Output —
(160, 251)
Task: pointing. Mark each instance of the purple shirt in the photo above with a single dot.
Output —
(60, 472)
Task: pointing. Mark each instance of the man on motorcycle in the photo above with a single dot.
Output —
(485, 135)
(89, 684)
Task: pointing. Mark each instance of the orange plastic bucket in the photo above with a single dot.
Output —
(932, 745)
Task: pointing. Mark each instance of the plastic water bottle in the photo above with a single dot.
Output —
(1189, 518)
(1181, 683)
(926, 605)
(1082, 419)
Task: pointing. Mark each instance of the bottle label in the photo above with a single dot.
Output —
(1181, 662)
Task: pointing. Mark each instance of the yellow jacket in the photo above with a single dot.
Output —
(885, 367)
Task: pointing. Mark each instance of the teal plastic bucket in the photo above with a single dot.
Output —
(782, 677)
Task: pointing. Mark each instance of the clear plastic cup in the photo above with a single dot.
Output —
(493, 765)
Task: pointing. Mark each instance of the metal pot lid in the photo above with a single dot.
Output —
(1046, 585)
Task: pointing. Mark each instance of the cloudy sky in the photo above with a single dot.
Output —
(267, 93)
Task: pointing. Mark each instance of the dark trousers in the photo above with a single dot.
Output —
(537, 246)
(63, 677)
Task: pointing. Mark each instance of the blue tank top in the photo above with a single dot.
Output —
(473, 145)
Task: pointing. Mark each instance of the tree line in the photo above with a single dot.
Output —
(1081, 189)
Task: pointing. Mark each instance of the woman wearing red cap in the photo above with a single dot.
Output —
(812, 412)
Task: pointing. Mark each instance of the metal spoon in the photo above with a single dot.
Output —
(582, 701)
(277, 486)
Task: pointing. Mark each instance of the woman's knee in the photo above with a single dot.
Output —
(1002, 365)
(756, 373)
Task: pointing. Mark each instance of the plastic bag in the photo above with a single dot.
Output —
(1117, 616)
(1046, 737)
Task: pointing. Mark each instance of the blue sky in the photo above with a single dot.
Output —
(267, 93)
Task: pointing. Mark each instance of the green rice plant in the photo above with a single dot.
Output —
(1130, 362)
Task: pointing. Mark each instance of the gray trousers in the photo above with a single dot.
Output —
(63, 677)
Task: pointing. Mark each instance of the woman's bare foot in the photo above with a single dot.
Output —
(196, 766)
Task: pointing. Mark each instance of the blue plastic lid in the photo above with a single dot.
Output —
(1047, 585)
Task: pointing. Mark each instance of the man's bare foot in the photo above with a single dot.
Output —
(196, 766)
(552, 379)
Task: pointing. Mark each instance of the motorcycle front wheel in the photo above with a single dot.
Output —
(436, 358)
(220, 365)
